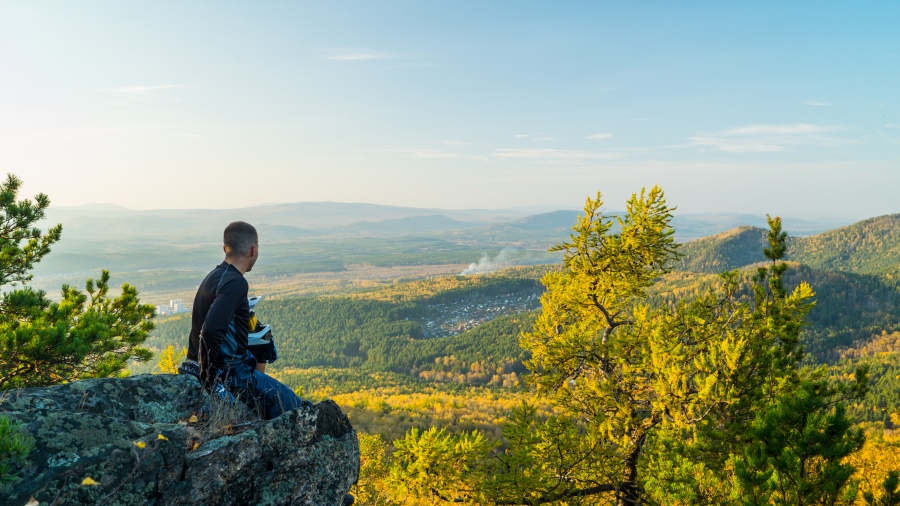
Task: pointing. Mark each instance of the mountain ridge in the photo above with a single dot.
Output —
(870, 246)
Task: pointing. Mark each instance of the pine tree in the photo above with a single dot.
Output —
(15, 446)
(662, 403)
(84, 335)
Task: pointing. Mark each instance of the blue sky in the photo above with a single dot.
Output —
(763, 107)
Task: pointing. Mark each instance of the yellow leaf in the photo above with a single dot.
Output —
(89, 481)
(140, 444)
(162, 438)
(196, 445)
(193, 419)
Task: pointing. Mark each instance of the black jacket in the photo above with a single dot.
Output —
(220, 322)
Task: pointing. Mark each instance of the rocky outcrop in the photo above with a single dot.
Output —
(159, 440)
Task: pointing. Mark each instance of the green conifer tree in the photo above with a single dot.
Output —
(15, 446)
(661, 404)
(84, 335)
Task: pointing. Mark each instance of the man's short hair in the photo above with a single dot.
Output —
(239, 236)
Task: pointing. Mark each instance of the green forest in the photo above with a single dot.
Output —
(366, 333)
(747, 367)
(417, 399)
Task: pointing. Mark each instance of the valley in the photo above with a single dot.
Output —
(411, 329)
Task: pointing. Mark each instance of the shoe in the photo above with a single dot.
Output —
(222, 393)
(190, 367)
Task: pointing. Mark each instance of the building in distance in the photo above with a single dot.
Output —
(175, 306)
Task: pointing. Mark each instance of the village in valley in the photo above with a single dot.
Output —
(452, 318)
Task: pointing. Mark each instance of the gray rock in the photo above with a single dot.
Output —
(309, 456)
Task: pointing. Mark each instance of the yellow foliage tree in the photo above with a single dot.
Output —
(879, 456)
(169, 360)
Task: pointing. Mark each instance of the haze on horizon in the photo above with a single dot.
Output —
(764, 107)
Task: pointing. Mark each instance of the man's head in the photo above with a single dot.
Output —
(241, 244)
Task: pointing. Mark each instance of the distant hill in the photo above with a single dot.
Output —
(849, 308)
(553, 227)
(555, 220)
(726, 251)
(869, 247)
(697, 225)
(853, 269)
(323, 217)
(113, 223)
(134, 227)
(410, 225)
(157, 248)
(282, 232)
(539, 231)
(694, 226)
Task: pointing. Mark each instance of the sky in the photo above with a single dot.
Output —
(789, 108)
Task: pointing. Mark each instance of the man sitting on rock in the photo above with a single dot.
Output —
(217, 350)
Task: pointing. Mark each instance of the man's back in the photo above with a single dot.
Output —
(220, 321)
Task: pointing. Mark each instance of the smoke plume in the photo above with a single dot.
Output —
(506, 258)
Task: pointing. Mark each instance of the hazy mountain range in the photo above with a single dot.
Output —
(144, 247)
(108, 222)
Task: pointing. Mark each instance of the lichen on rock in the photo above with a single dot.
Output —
(133, 436)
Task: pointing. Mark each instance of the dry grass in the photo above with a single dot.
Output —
(224, 418)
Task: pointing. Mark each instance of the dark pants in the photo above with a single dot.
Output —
(261, 392)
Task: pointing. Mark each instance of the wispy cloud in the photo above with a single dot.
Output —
(191, 136)
(600, 136)
(892, 125)
(737, 146)
(101, 131)
(427, 154)
(550, 155)
(143, 89)
(417, 64)
(537, 137)
(446, 149)
(799, 128)
(357, 54)
(816, 103)
(768, 138)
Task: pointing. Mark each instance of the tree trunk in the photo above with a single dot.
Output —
(630, 492)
